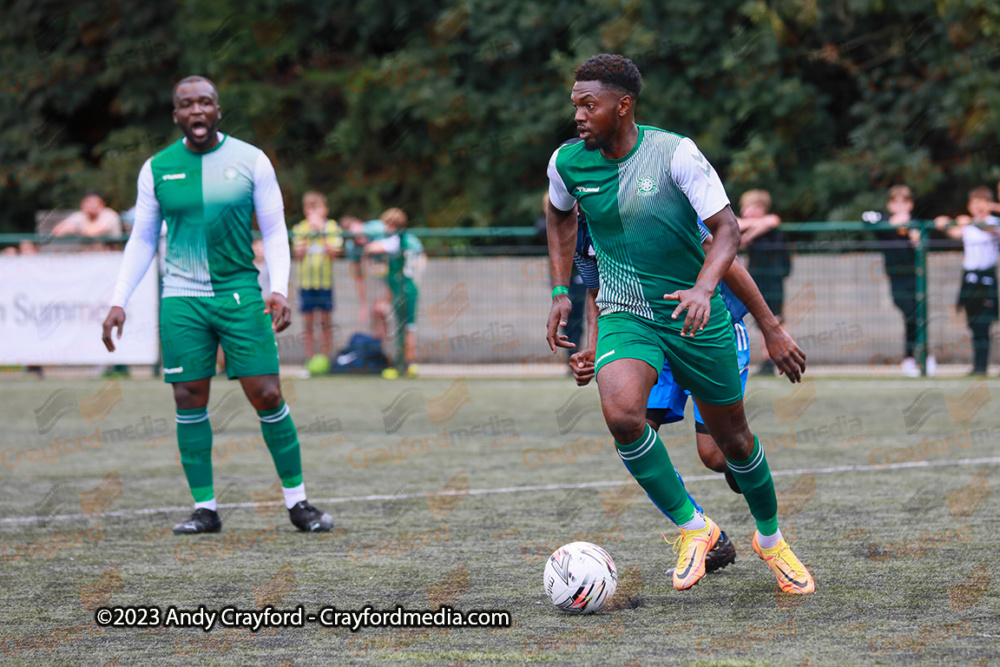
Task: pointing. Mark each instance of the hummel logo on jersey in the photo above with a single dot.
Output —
(174, 177)
(236, 295)
(647, 186)
(168, 371)
(581, 188)
(702, 162)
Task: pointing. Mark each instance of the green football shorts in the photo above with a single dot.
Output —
(404, 302)
(192, 328)
(704, 365)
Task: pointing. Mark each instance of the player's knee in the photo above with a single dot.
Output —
(735, 445)
(188, 396)
(626, 427)
(266, 396)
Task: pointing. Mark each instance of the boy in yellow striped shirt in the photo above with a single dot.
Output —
(316, 240)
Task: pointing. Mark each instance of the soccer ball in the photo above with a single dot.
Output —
(318, 365)
(580, 577)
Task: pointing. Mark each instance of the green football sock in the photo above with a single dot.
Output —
(754, 479)
(283, 442)
(194, 438)
(649, 463)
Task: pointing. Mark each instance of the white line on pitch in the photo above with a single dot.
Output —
(518, 489)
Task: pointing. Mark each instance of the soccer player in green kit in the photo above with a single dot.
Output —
(642, 190)
(207, 187)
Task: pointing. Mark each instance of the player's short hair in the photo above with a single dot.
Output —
(756, 197)
(394, 217)
(91, 192)
(614, 70)
(981, 192)
(313, 197)
(900, 191)
(194, 78)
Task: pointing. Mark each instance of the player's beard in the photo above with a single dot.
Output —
(599, 143)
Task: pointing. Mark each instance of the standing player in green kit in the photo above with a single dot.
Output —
(207, 187)
(642, 190)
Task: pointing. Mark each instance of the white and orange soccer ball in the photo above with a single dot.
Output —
(580, 578)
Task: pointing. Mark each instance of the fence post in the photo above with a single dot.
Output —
(921, 272)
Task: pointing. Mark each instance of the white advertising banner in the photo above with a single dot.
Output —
(52, 308)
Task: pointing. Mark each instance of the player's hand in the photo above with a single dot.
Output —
(785, 353)
(558, 317)
(281, 314)
(115, 318)
(698, 303)
(582, 365)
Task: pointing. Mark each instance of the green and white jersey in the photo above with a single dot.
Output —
(643, 214)
(208, 201)
(405, 251)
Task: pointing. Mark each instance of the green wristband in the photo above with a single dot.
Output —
(561, 289)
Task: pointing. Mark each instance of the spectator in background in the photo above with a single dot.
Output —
(94, 219)
(23, 248)
(978, 296)
(768, 257)
(405, 265)
(316, 241)
(363, 233)
(899, 252)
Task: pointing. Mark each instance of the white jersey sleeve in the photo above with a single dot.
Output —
(266, 192)
(270, 210)
(142, 243)
(391, 244)
(558, 194)
(277, 255)
(698, 180)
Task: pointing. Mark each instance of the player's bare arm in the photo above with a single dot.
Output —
(582, 363)
(561, 226)
(697, 300)
(785, 353)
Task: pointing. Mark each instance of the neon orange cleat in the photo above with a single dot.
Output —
(793, 577)
(693, 546)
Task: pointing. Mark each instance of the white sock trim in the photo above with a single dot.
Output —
(749, 467)
(208, 505)
(646, 445)
(191, 419)
(294, 495)
(277, 417)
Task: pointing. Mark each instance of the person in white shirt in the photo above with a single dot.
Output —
(980, 234)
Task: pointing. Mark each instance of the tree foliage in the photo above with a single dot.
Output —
(452, 109)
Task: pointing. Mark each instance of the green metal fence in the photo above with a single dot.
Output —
(484, 297)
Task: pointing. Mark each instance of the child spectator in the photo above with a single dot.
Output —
(316, 240)
(900, 256)
(406, 262)
(980, 236)
(768, 258)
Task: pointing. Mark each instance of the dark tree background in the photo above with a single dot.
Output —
(451, 109)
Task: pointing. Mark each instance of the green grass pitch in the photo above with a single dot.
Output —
(898, 528)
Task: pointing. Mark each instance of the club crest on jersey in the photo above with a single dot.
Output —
(230, 173)
(647, 186)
